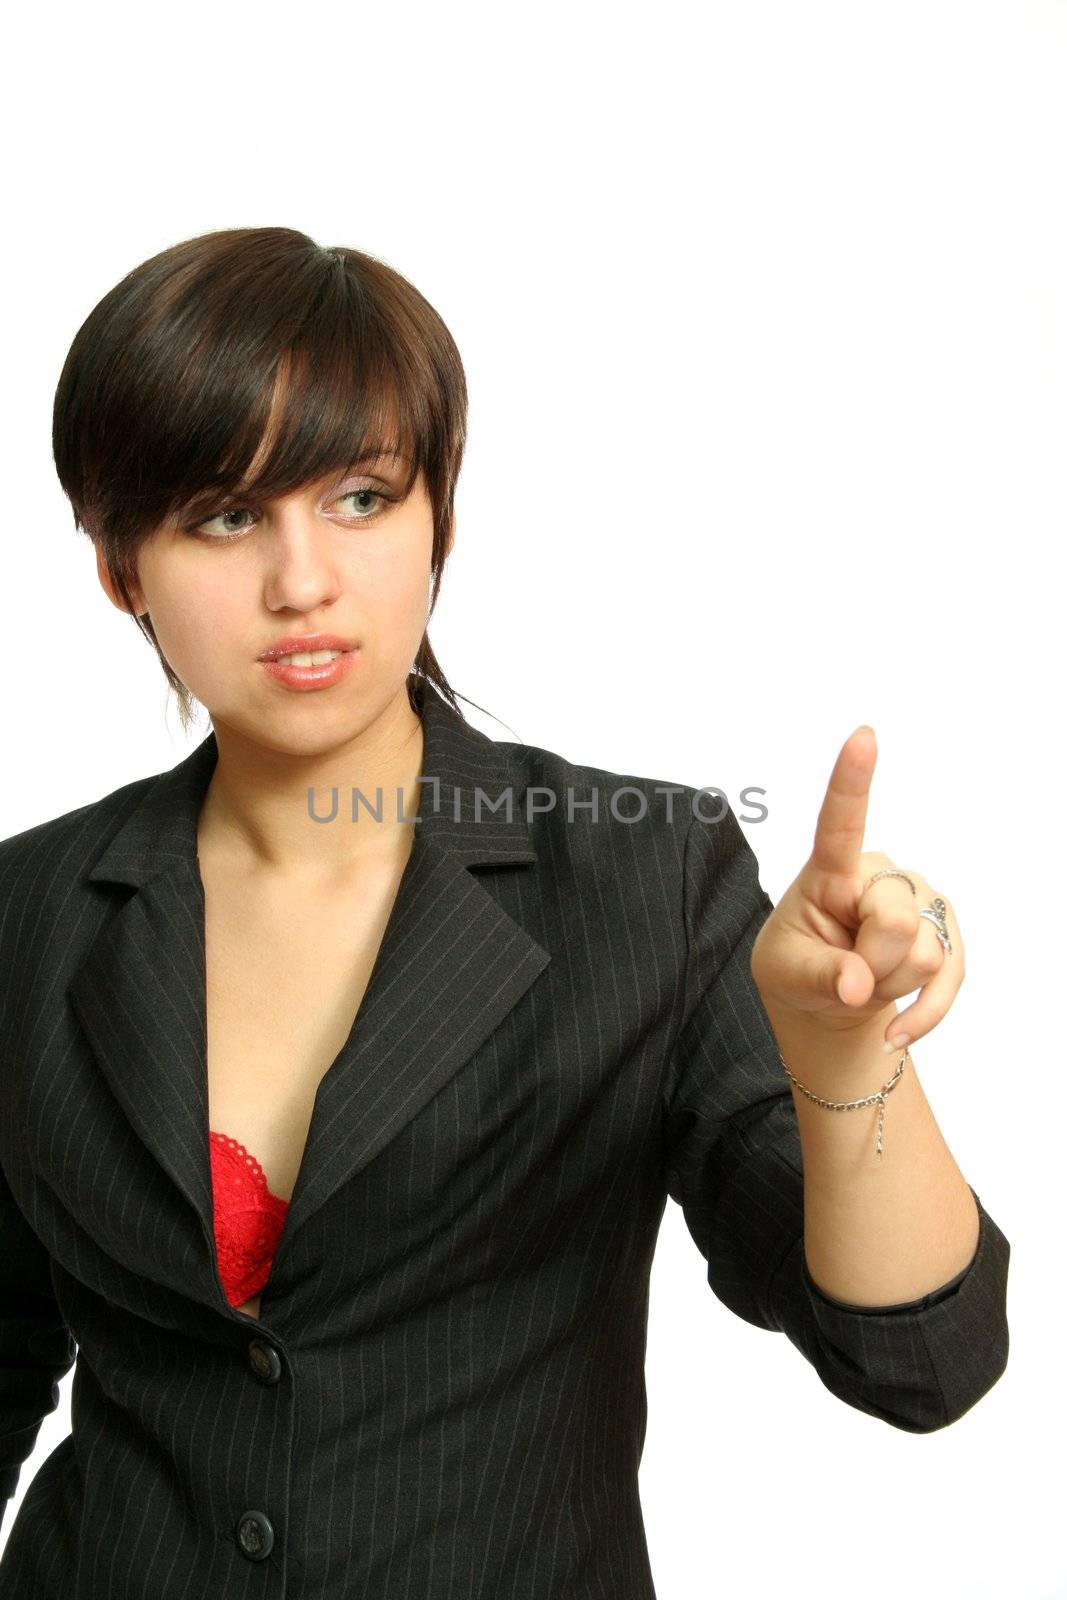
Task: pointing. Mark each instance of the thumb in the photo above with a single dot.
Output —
(837, 975)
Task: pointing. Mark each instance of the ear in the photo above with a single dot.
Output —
(112, 593)
(451, 535)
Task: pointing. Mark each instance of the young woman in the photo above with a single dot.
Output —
(349, 1063)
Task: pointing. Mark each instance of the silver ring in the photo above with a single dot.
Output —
(891, 872)
(936, 913)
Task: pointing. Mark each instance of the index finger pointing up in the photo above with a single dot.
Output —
(843, 814)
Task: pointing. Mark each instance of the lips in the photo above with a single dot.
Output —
(297, 643)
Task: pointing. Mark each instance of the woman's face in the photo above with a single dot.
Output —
(344, 556)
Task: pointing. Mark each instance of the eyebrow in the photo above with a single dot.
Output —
(379, 455)
(225, 498)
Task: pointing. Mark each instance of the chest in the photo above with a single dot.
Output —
(286, 971)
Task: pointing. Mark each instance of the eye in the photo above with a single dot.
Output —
(227, 532)
(362, 495)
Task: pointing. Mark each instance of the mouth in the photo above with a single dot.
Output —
(310, 661)
(306, 658)
(307, 650)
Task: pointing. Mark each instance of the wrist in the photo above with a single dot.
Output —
(836, 1059)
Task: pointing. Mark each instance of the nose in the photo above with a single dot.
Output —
(302, 571)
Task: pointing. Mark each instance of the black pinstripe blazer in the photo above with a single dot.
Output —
(444, 1396)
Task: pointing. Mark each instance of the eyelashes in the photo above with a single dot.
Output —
(197, 528)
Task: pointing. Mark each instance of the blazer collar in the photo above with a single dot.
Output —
(452, 964)
(457, 812)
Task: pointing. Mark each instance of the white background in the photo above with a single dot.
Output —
(763, 315)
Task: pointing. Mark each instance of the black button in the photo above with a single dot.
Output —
(264, 1361)
(255, 1535)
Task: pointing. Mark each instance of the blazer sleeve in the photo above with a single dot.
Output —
(734, 1165)
(36, 1346)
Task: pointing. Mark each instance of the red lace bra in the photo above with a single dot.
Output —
(249, 1218)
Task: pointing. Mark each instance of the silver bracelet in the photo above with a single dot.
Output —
(854, 1105)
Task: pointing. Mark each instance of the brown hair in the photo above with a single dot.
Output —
(170, 383)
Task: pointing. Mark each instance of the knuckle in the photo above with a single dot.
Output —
(900, 921)
(929, 961)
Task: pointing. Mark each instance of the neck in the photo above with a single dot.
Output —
(257, 815)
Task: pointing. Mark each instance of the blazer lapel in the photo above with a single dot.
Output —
(451, 965)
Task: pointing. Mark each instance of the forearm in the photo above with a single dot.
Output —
(877, 1231)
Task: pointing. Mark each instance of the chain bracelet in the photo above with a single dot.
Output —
(854, 1105)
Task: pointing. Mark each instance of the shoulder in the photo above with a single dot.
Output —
(632, 821)
(58, 849)
(679, 844)
(554, 770)
(607, 798)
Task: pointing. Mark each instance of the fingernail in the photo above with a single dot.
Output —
(897, 1042)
